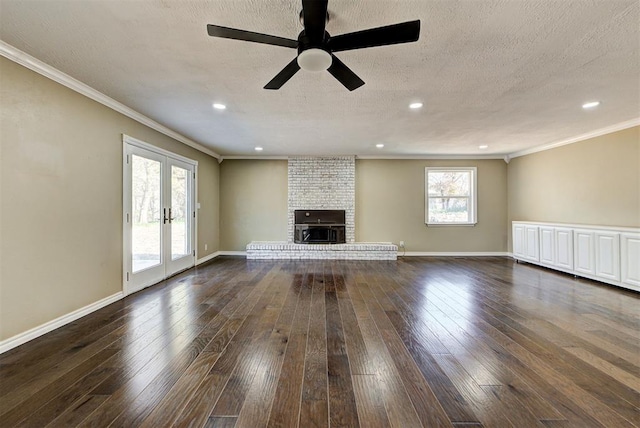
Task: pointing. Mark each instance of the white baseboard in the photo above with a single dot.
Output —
(207, 258)
(453, 254)
(409, 254)
(400, 254)
(233, 253)
(31, 334)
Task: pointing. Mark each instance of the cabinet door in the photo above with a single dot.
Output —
(532, 251)
(607, 246)
(546, 245)
(630, 255)
(584, 253)
(518, 241)
(563, 248)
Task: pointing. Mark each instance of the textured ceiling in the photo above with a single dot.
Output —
(512, 74)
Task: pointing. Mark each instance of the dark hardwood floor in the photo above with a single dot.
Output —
(463, 342)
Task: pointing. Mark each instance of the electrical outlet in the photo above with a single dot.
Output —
(205, 247)
(402, 243)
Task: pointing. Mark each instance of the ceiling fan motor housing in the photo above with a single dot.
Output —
(305, 42)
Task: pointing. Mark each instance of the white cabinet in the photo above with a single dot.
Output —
(518, 241)
(563, 239)
(532, 243)
(525, 242)
(584, 253)
(556, 247)
(607, 254)
(630, 258)
(547, 249)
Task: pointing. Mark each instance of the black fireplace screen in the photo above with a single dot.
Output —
(319, 227)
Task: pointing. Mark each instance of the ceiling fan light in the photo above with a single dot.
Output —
(314, 60)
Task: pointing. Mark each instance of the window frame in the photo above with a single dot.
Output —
(472, 198)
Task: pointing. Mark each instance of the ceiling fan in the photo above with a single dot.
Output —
(316, 47)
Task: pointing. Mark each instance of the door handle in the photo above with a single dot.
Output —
(166, 219)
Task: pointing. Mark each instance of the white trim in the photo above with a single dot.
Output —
(34, 64)
(239, 157)
(232, 253)
(373, 157)
(473, 195)
(453, 254)
(126, 139)
(207, 258)
(407, 254)
(621, 229)
(597, 133)
(35, 332)
(432, 157)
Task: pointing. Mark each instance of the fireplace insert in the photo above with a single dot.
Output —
(319, 227)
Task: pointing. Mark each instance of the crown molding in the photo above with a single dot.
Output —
(34, 64)
(367, 157)
(431, 157)
(597, 133)
(239, 157)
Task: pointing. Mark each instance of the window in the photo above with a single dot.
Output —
(450, 196)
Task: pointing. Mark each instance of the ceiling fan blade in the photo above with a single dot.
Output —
(381, 36)
(249, 36)
(282, 77)
(344, 74)
(314, 13)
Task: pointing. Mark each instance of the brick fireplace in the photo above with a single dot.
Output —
(322, 183)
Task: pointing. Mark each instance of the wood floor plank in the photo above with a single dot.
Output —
(371, 410)
(342, 403)
(489, 410)
(604, 366)
(314, 406)
(433, 342)
(285, 411)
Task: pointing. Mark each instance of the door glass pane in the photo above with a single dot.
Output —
(179, 212)
(146, 229)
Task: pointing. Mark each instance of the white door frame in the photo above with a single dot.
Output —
(127, 142)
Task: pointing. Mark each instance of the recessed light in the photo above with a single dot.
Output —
(483, 146)
(415, 105)
(379, 146)
(591, 104)
(219, 106)
(258, 149)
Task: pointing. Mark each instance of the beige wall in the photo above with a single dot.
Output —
(61, 198)
(596, 181)
(390, 207)
(253, 202)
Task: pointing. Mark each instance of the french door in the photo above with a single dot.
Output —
(159, 215)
